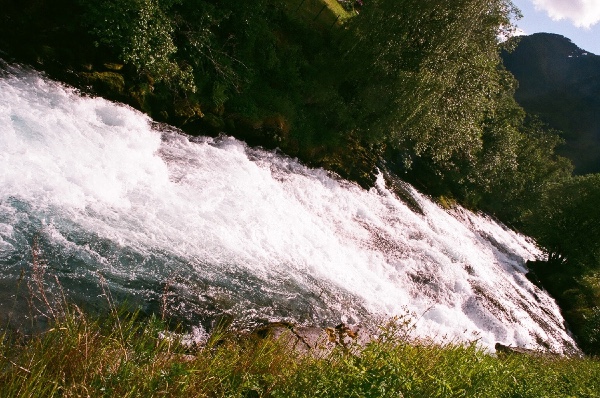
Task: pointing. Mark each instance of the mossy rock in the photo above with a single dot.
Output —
(247, 129)
(46, 53)
(187, 111)
(113, 66)
(106, 83)
(353, 160)
(276, 127)
(139, 96)
(447, 202)
(213, 122)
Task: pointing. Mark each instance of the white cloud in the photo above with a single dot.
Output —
(505, 35)
(583, 13)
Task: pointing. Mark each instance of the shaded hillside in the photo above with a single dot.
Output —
(560, 83)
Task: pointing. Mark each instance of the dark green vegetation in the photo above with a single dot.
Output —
(560, 83)
(566, 224)
(121, 356)
(415, 87)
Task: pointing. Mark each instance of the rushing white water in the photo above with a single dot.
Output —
(211, 226)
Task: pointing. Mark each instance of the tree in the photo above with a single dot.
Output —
(567, 222)
(517, 166)
(428, 74)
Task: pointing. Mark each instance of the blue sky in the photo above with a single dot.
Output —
(579, 20)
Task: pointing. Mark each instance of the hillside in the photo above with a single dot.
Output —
(560, 83)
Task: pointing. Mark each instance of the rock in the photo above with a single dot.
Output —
(105, 82)
(214, 123)
(504, 349)
(139, 98)
(315, 340)
(113, 66)
(187, 111)
(276, 127)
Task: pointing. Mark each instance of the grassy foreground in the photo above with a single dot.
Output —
(122, 356)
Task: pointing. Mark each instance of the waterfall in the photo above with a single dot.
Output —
(201, 226)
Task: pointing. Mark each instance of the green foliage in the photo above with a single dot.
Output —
(567, 222)
(517, 166)
(426, 78)
(421, 79)
(141, 32)
(428, 73)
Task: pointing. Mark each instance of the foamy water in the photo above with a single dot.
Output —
(212, 226)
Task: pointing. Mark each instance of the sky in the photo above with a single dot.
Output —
(579, 20)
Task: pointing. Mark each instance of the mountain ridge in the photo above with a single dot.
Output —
(560, 83)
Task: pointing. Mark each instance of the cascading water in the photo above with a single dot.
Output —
(210, 226)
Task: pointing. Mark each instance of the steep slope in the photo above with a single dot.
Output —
(560, 83)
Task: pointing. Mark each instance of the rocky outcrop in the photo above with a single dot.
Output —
(502, 349)
(315, 340)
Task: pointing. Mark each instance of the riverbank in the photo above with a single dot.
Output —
(121, 355)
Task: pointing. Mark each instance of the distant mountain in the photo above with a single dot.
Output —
(560, 83)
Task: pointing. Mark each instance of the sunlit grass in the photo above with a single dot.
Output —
(324, 12)
(124, 356)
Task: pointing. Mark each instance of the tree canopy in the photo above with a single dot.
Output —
(429, 73)
(567, 222)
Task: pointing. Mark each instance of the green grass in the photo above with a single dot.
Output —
(123, 356)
